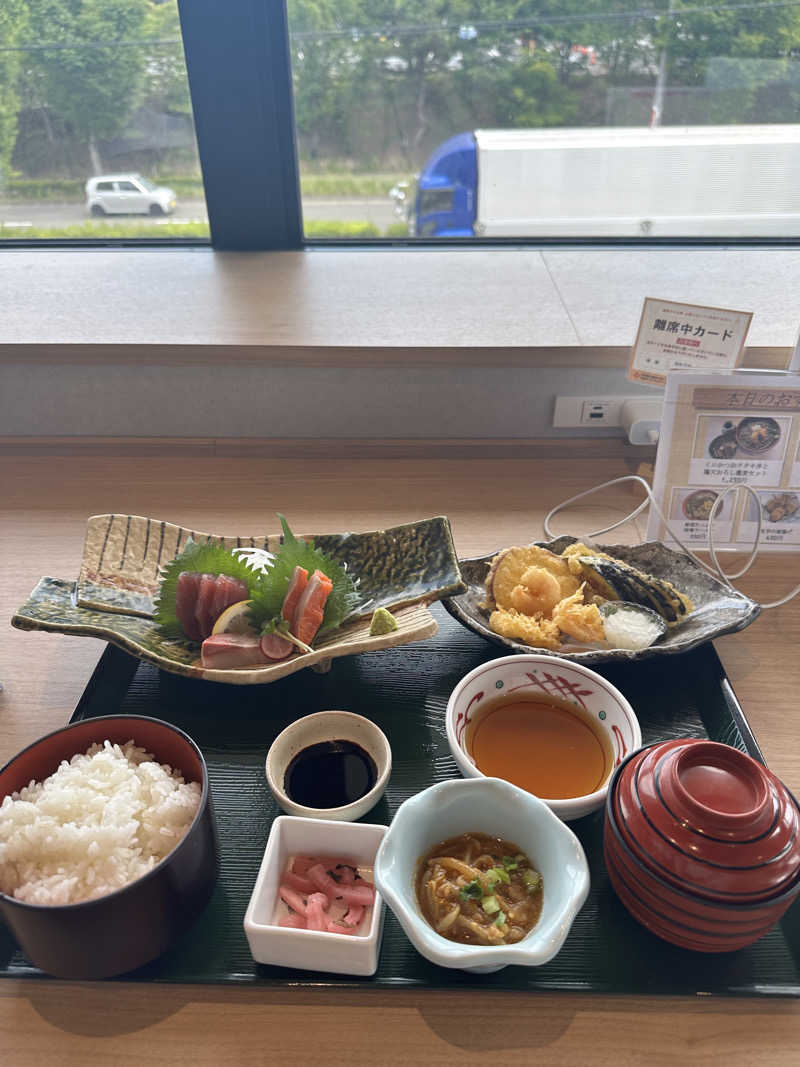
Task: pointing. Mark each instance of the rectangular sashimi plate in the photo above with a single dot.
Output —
(402, 569)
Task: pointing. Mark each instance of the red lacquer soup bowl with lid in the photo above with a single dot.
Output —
(709, 819)
(679, 917)
(669, 907)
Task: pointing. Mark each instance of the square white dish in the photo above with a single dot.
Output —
(313, 950)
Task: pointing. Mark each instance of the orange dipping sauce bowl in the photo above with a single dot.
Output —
(547, 725)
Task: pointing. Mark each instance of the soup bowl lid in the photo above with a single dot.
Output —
(709, 819)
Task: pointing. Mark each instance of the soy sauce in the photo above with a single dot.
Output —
(330, 774)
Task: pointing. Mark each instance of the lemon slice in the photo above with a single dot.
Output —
(235, 620)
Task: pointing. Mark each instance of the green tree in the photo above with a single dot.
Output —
(165, 84)
(90, 80)
(699, 41)
(531, 95)
(13, 20)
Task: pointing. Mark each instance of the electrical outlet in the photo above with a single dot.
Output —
(597, 412)
(574, 411)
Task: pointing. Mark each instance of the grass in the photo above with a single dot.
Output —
(68, 190)
(148, 229)
(98, 230)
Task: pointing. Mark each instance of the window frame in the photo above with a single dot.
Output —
(248, 154)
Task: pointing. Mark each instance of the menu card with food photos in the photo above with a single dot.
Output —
(717, 432)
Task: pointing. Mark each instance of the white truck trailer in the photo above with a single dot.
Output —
(672, 181)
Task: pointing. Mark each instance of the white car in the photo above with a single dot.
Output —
(127, 194)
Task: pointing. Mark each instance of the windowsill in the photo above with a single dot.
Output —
(468, 307)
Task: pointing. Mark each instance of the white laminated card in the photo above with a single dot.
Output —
(720, 431)
(690, 337)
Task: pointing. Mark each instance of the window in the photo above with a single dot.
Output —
(391, 120)
(575, 120)
(96, 89)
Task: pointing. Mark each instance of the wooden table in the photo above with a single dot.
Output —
(45, 500)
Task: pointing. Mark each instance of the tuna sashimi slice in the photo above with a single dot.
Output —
(204, 607)
(297, 585)
(311, 607)
(229, 591)
(232, 650)
(186, 593)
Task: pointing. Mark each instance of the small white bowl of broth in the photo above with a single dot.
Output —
(547, 725)
(481, 874)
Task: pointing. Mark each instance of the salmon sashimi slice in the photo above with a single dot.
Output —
(297, 585)
(232, 650)
(274, 646)
(311, 607)
(186, 593)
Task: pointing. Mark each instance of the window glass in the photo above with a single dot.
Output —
(577, 118)
(94, 88)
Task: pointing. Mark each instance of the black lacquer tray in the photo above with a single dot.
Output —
(405, 690)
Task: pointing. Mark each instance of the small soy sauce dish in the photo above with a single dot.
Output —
(331, 765)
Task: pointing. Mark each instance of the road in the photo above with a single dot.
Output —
(21, 215)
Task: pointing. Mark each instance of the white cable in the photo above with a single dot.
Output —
(716, 571)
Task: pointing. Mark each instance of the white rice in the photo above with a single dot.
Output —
(102, 820)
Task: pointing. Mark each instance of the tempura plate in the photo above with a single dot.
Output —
(718, 610)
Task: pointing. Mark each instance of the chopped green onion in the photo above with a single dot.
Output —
(500, 919)
(502, 874)
(509, 863)
(473, 891)
(492, 878)
(490, 905)
(531, 880)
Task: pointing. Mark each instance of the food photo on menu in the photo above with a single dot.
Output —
(723, 437)
(690, 511)
(779, 511)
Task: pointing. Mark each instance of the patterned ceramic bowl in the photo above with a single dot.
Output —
(709, 819)
(597, 702)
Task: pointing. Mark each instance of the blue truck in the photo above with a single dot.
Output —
(623, 182)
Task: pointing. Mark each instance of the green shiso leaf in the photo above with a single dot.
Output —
(268, 592)
(210, 557)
